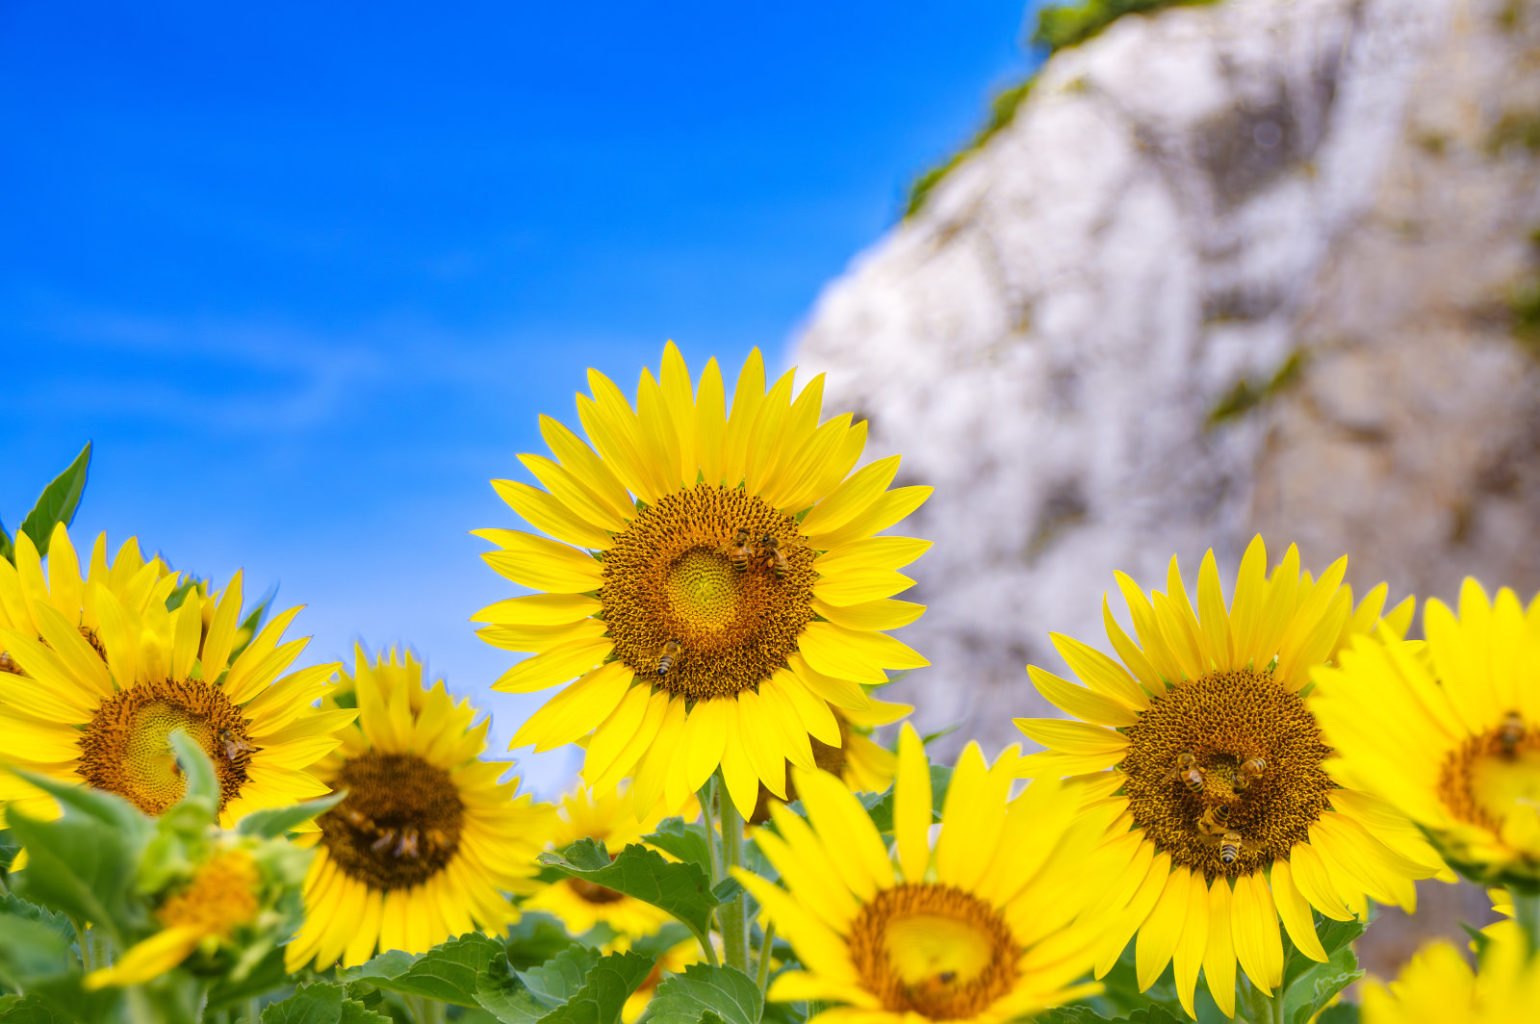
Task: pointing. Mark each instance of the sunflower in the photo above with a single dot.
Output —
(714, 584)
(29, 585)
(1206, 743)
(1438, 985)
(1451, 737)
(863, 765)
(975, 929)
(96, 708)
(581, 905)
(428, 840)
(224, 895)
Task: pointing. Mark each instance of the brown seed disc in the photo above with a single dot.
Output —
(1484, 778)
(1224, 720)
(400, 823)
(978, 953)
(125, 748)
(671, 575)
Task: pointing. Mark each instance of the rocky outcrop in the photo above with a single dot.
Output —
(1252, 266)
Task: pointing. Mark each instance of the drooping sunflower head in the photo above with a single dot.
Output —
(1437, 985)
(1200, 736)
(60, 584)
(710, 576)
(1451, 734)
(581, 905)
(972, 928)
(98, 709)
(428, 841)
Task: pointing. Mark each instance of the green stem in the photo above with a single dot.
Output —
(1259, 1007)
(706, 796)
(83, 944)
(254, 1009)
(1526, 911)
(766, 947)
(735, 940)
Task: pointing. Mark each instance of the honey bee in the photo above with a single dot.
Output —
(408, 846)
(738, 551)
(1229, 847)
(1215, 821)
(1187, 768)
(772, 556)
(670, 650)
(1511, 732)
(928, 990)
(383, 840)
(358, 819)
(437, 839)
(7, 664)
(236, 747)
(1249, 772)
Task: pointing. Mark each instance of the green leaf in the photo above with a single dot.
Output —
(202, 783)
(79, 866)
(276, 821)
(354, 1012)
(32, 1010)
(726, 889)
(58, 501)
(682, 889)
(723, 992)
(1342, 1013)
(605, 989)
(535, 939)
(315, 1003)
(267, 975)
(451, 972)
(679, 839)
(7, 552)
(77, 800)
(1314, 988)
(560, 978)
(1067, 1015)
(29, 949)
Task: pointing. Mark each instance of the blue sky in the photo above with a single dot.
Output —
(306, 277)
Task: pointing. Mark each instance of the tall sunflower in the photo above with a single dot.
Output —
(96, 707)
(975, 928)
(578, 904)
(428, 840)
(1205, 742)
(1438, 986)
(1451, 736)
(714, 584)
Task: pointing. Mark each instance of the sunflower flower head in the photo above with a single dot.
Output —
(100, 689)
(1438, 985)
(1451, 734)
(581, 905)
(428, 841)
(709, 575)
(1201, 736)
(972, 926)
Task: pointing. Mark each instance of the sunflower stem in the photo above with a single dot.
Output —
(766, 947)
(730, 915)
(83, 944)
(1526, 911)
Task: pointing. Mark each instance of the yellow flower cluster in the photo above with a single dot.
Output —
(710, 593)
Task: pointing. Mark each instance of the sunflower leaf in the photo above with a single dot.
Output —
(321, 1003)
(275, 821)
(704, 992)
(7, 552)
(58, 501)
(607, 986)
(451, 972)
(1342, 1013)
(1314, 988)
(535, 939)
(682, 889)
(678, 839)
(559, 978)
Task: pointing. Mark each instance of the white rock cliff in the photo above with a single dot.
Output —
(1234, 268)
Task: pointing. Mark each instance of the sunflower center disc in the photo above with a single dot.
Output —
(676, 574)
(126, 747)
(933, 950)
(1222, 721)
(400, 823)
(1492, 778)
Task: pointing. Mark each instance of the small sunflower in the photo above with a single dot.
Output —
(97, 708)
(863, 765)
(1438, 986)
(579, 904)
(428, 840)
(1451, 735)
(226, 893)
(974, 929)
(714, 585)
(673, 961)
(1202, 739)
